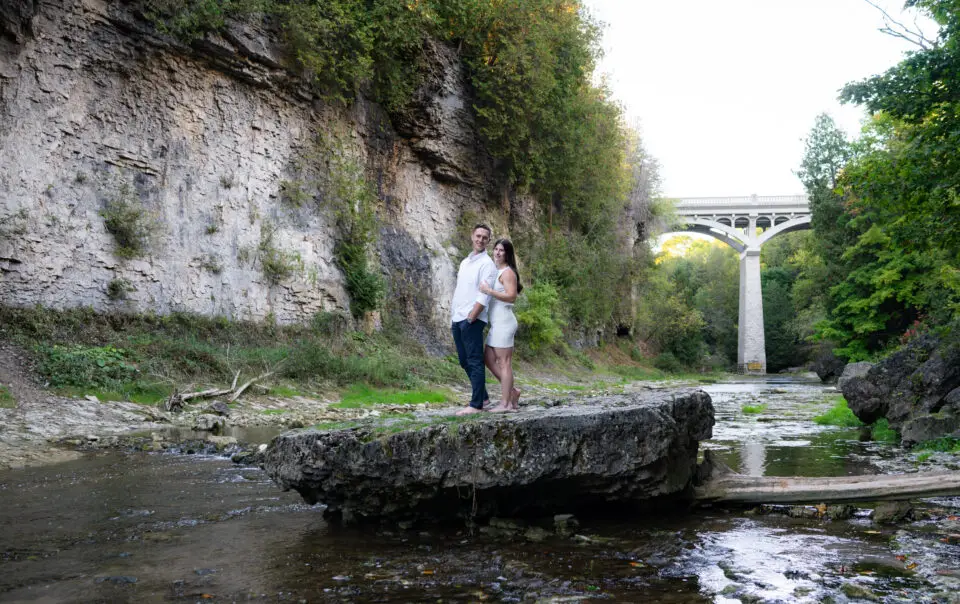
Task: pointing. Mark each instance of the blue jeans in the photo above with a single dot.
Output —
(469, 340)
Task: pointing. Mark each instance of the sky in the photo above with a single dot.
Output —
(726, 90)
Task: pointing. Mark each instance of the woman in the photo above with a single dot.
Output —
(498, 355)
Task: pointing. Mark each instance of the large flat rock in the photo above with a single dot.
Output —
(575, 453)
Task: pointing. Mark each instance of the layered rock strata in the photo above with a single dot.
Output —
(96, 108)
(574, 455)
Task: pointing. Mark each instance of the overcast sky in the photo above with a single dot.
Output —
(725, 90)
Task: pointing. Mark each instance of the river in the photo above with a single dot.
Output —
(139, 527)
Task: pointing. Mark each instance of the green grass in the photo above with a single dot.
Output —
(924, 457)
(945, 444)
(6, 399)
(882, 432)
(361, 395)
(839, 415)
(754, 409)
(142, 393)
(273, 411)
(284, 391)
(126, 356)
(638, 374)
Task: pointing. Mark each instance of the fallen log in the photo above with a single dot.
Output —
(721, 485)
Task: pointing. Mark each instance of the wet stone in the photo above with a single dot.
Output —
(565, 524)
(855, 591)
(536, 534)
(892, 512)
(118, 580)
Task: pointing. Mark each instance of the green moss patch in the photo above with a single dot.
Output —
(839, 415)
(6, 399)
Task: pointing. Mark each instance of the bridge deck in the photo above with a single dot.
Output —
(753, 204)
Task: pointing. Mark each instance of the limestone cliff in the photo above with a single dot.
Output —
(95, 106)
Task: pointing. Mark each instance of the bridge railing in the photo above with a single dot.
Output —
(753, 201)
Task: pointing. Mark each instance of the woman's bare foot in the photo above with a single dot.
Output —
(494, 407)
(515, 402)
(502, 409)
(469, 411)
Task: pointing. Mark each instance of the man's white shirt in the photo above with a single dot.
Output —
(474, 269)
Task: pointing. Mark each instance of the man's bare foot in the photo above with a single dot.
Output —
(469, 411)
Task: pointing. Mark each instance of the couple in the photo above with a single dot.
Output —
(486, 290)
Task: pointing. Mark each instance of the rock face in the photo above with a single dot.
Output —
(95, 107)
(617, 449)
(852, 370)
(917, 389)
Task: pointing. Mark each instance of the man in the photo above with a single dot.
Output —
(469, 315)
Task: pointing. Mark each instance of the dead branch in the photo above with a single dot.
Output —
(176, 400)
(236, 393)
(894, 28)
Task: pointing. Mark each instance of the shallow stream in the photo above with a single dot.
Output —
(139, 527)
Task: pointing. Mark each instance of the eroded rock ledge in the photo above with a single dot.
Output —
(576, 454)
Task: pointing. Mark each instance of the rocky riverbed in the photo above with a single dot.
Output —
(227, 532)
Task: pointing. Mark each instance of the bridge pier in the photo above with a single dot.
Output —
(745, 224)
(751, 353)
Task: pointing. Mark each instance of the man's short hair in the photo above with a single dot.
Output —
(484, 227)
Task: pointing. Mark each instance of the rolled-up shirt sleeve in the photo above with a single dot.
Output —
(488, 274)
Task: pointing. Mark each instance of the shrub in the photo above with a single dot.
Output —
(85, 366)
(665, 361)
(292, 192)
(277, 265)
(118, 289)
(944, 444)
(129, 222)
(538, 313)
(364, 286)
(6, 399)
(330, 324)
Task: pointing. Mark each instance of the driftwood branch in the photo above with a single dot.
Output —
(721, 485)
(176, 400)
(236, 393)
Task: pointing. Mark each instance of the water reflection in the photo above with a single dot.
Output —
(753, 459)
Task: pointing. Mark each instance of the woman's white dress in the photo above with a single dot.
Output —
(503, 323)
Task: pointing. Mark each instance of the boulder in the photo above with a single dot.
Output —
(574, 455)
(918, 381)
(207, 422)
(826, 365)
(852, 370)
(921, 428)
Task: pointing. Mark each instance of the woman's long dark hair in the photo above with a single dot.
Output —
(511, 259)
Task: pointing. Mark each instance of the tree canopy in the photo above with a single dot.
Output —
(888, 219)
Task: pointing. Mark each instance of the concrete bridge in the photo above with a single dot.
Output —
(745, 224)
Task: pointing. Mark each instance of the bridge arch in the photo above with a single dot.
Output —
(735, 221)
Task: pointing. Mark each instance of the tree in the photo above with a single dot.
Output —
(892, 252)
